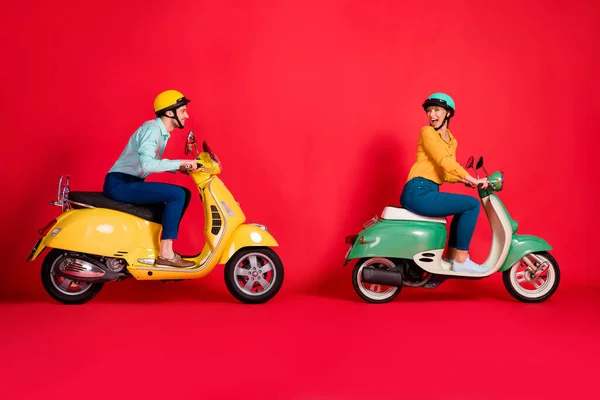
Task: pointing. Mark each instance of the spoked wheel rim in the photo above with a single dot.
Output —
(69, 287)
(527, 285)
(375, 291)
(255, 274)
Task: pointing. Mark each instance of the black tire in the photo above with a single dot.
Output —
(49, 281)
(235, 281)
(553, 273)
(366, 294)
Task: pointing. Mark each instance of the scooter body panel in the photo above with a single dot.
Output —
(520, 246)
(398, 239)
(102, 232)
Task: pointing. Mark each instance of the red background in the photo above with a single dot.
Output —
(314, 110)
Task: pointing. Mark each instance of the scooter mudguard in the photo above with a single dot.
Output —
(398, 239)
(102, 232)
(520, 246)
(246, 235)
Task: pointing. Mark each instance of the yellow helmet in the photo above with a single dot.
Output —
(169, 100)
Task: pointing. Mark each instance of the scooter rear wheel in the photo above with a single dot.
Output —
(64, 290)
(370, 292)
(254, 275)
(524, 287)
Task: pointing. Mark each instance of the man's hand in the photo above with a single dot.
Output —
(187, 165)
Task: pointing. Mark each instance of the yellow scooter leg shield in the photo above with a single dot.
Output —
(247, 235)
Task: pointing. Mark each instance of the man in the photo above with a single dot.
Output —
(143, 156)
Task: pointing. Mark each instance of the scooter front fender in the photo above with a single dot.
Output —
(520, 246)
(246, 235)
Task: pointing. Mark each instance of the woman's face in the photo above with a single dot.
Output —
(436, 116)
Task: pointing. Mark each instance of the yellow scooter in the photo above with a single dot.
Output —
(97, 240)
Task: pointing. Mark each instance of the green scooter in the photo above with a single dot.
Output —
(400, 248)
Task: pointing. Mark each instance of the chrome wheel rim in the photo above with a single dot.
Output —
(255, 274)
(527, 285)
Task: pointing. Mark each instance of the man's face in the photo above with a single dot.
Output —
(182, 114)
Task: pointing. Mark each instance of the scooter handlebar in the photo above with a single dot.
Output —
(189, 165)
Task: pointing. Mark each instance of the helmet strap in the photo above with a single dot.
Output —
(446, 118)
(175, 117)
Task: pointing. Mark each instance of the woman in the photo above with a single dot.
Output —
(436, 164)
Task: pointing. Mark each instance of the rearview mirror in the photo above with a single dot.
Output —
(479, 163)
(190, 144)
(469, 163)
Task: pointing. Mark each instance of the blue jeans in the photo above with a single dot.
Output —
(132, 189)
(423, 197)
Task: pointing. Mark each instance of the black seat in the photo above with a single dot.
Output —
(150, 212)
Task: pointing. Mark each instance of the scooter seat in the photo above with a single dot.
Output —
(402, 214)
(150, 212)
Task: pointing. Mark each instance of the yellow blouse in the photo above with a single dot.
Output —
(436, 158)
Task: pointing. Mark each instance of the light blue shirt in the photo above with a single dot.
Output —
(143, 153)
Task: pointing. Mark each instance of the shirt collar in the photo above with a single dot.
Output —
(449, 135)
(163, 129)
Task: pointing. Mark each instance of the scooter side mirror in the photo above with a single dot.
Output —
(469, 163)
(479, 163)
(190, 143)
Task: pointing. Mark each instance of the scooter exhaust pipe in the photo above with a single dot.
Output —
(382, 277)
(84, 271)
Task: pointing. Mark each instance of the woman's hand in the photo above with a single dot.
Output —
(472, 182)
(466, 182)
(483, 181)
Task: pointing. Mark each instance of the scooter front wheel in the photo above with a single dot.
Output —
(369, 292)
(254, 275)
(65, 290)
(528, 288)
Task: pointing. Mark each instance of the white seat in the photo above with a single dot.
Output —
(398, 213)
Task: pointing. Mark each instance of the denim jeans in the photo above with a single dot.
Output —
(422, 196)
(132, 189)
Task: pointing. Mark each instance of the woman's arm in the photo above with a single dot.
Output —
(436, 151)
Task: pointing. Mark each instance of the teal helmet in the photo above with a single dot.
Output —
(442, 100)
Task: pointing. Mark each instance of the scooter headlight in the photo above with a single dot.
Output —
(496, 181)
